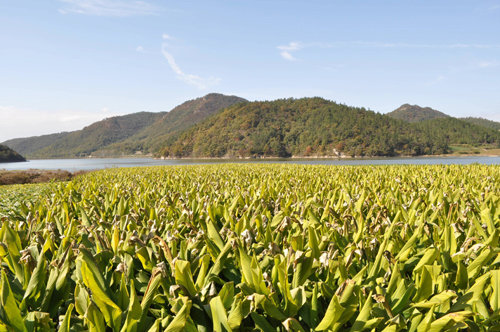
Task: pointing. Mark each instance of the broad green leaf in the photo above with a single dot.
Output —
(332, 315)
(219, 316)
(180, 320)
(184, 277)
(65, 325)
(10, 315)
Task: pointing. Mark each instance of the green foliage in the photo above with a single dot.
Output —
(244, 247)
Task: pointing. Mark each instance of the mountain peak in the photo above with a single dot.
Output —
(416, 113)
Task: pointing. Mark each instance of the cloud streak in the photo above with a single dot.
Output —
(191, 79)
(118, 8)
(287, 51)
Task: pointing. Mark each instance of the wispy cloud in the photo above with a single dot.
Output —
(286, 50)
(195, 80)
(166, 36)
(413, 45)
(139, 49)
(120, 8)
(488, 64)
(25, 122)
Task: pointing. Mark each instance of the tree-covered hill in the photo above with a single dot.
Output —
(415, 113)
(302, 127)
(8, 155)
(164, 131)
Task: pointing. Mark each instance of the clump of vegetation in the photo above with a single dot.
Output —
(254, 247)
(35, 176)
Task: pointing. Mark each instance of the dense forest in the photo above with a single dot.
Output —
(317, 127)
(8, 155)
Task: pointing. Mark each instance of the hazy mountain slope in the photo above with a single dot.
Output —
(166, 128)
(82, 143)
(29, 145)
(415, 113)
(457, 131)
(8, 155)
(482, 122)
(301, 127)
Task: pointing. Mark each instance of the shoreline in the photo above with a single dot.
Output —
(449, 155)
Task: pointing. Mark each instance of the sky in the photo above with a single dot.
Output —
(67, 63)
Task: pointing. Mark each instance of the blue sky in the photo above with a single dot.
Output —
(67, 63)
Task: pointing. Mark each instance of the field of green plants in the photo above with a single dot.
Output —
(254, 247)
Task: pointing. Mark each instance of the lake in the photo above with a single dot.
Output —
(100, 163)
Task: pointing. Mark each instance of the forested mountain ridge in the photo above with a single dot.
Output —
(415, 113)
(164, 131)
(300, 127)
(8, 155)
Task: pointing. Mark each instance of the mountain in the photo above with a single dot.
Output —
(300, 127)
(415, 113)
(123, 135)
(8, 155)
(318, 127)
(483, 122)
(164, 131)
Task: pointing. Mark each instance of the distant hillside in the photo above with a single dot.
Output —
(8, 155)
(164, 131)
(143, 132)
(456, 131)
(84, 142)
(30, 145)
(301, 127)
(483, 122)
(415, 113)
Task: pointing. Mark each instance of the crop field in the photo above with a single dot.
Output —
(254, 247)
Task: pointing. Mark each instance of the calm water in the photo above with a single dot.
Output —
(100, 163)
